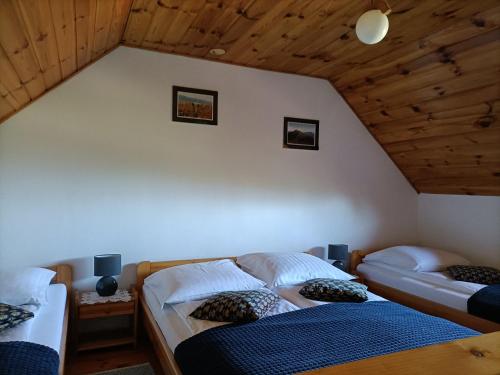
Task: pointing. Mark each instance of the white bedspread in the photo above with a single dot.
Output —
(47, 325)
(176, 324)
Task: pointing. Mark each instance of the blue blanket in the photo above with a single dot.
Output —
(312, 338)
(485, 303)
(27, 358)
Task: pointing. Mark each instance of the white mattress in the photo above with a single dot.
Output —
(433, 286)
(47, 325)
(176, 324)
(291, 293)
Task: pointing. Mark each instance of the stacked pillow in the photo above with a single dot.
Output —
(233, 294)
(475, 274)
(11, 316)
(198, 281)
(415, 258)
(21, 288)
(241, 307)
(26, 286)
(331, 290)
(277, 269)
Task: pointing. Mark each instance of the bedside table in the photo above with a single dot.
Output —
(90, 307)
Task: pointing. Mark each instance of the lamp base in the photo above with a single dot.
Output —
(339, 264)
(106, 286)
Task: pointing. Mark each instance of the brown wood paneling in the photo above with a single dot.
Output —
(423, 91)
(85, 11)
(43, 42)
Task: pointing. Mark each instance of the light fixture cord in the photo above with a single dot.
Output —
(388, 8)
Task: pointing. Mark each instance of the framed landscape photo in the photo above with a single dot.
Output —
(301, 133)
(196, 106)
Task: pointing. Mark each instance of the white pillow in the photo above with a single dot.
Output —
(289, 268)
(416, 258)
(26, 286)
(199, 280)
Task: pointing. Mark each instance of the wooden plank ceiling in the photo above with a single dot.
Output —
(43, 42)
(429, 93)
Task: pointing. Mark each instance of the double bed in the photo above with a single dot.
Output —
(434, 293)
(49, 326)
(172, 331)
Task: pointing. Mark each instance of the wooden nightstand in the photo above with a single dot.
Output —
(88, 306)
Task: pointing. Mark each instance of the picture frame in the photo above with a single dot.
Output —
(300, 133)
(196, 106)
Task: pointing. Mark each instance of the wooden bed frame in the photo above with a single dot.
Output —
(480, 354)
(64, 275)
(163, 351)
(418, 303)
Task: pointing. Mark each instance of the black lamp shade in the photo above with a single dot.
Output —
(338, 252)
(107, 264)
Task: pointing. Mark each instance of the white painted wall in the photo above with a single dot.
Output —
(469, 225)
(97, 165)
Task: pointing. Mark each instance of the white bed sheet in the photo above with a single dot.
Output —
(49, 320)
(434, 286)
(176, 324)
(291, 293)
(22, 331)
(47, 325)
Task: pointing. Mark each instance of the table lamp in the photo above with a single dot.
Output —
(107, 265)
(339, 253)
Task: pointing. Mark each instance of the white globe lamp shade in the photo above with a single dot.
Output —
(372, 26)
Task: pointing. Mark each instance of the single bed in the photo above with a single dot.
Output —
(168, 328)
(50, 323)
(434, 293)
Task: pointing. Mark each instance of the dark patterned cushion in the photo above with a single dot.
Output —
(475, 274)
(11, 316)
(243, 306)
(332, 290)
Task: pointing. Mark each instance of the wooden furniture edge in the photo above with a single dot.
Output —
(64, 275)
(479, 355)
(111, 342)
(162, 350)
(356, 258)
(432, 308)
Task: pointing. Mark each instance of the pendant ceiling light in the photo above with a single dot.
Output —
(373, 25)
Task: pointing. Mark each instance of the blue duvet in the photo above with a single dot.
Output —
(312, 338)
(27, 358)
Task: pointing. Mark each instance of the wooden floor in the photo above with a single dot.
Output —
(108, 359)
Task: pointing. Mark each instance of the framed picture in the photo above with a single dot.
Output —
(194, 105)
(300, 133)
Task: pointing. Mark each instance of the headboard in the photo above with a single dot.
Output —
(357, 258)
(64, 275)
(144, 269)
